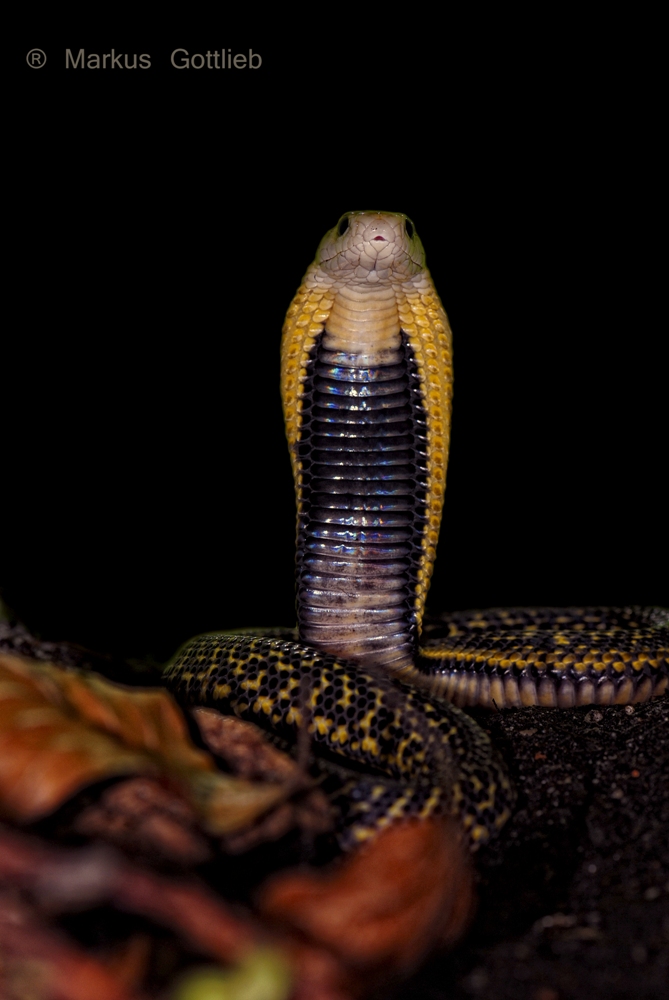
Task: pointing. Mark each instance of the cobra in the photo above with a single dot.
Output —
(366, 383)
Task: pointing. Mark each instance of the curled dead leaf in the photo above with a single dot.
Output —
(60, 880)
(143, 816)
(129, 960)
(246, 750)
(76, 879)
(36, 961)
(63, 729)
(388, 903)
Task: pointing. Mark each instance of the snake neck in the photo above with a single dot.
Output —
(366, 387)
(363, 452)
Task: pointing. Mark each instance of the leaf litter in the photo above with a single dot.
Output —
(152, 813)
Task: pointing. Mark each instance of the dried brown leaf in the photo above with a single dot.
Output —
(246, 750)
(142, 815)
(36, 961)
(81, 878)
(60, 879)
(389, 902)
(61, 730)
(129, 961)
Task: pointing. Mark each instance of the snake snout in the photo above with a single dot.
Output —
(381, 228)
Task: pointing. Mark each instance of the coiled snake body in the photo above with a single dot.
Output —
(366, 378)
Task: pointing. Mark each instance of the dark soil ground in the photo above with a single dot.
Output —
(574, 895)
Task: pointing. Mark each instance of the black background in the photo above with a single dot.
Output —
(165, 221)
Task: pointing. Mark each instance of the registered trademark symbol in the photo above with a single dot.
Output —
(36, 58)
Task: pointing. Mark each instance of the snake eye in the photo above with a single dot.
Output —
(409, 228)
(343, 226)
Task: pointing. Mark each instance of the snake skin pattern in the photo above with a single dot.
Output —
(366, 380)
(555, 657)
(436, 757)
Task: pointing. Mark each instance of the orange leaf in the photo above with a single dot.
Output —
(390, 902)
(63, 729)
(40, 962)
